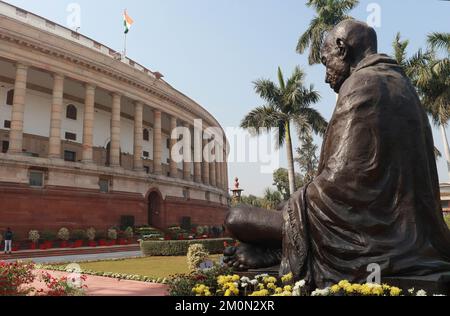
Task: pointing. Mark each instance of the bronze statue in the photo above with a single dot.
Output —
(376, 196)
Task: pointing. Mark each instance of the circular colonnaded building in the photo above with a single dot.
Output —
(86, 136)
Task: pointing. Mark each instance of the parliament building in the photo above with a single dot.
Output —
(85, 136)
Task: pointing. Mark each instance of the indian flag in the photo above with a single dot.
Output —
(127, 21)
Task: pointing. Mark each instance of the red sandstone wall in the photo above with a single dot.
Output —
(201, 212)
(23, 209)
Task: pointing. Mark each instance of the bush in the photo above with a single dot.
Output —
(90, 234)
(447, 220)
(79, 234)
(182, 285)
(112, 234)
(34, 236)
(13, 277)
(48, 236)
(195, 256)
(128, 233)
(180, 247)
(101, 235)
(64, 234)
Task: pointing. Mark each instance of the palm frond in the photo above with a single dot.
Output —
(438, 40)
(262, 117)
(267, 90)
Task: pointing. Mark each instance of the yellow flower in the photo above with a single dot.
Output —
(378, 291)
(261, 286)
(235, 278)
(395, 291)
(365, 290)
(287, 288)
(287, 277)
(335, 289)
(227, 293)
(343, 284)
(271, 286)
(278, 290)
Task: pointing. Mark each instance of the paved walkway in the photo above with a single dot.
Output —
(101, 286)
(86, 257)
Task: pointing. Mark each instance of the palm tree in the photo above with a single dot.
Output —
(288, 102)
(329, 14)
(272, 199)
(431, 77)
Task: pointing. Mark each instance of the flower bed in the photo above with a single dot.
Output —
(180, 247)
(211, 284)
(16, 279)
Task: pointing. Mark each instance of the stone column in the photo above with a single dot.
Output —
(212, 172)
(205, 165)
(218, 167)
(225, 172)
(157, 146)
(20, 91)
(138, 135)
(115, 130)
(198, 153)
(88, 123)
(187, 153)
(55, 117)
(173, 141)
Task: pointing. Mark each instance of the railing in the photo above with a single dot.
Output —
(57, 29)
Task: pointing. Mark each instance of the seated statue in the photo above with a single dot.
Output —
(376, 197)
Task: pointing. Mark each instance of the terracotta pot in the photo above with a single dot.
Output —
(64, 244)
(92, 244)
(33, 246)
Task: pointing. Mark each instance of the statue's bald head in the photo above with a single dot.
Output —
(345, 46)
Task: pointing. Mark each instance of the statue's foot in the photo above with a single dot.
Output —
(245, 257)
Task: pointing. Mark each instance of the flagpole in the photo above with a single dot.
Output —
(125, 46)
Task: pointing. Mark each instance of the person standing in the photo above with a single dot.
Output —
(8, 241)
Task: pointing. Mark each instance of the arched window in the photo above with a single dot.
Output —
(71, 112)
(10, 97)
(146, 135)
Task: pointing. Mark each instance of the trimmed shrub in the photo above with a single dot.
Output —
(180, 247)
(128, 233)
(64, 234)
(112, 234)
(34, 236)
(48, 236)
(447, 220)
(90, 233)
(195, 256)
(79, 234)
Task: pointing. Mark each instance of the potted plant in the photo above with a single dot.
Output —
(48, 239)
(90, 233)
(112, 236)
(128, 235)
(78, 236)
(34, 237)
(101, 237)
(64, 236)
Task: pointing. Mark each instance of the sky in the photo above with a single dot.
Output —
(212, 50)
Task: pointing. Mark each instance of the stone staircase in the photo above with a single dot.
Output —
(29, 254)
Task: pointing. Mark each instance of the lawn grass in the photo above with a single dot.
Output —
(155, 267)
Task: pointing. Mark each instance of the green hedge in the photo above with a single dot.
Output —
(180, 247)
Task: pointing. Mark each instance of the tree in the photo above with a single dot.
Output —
(329, 14)
(281, 182)
(272, 199)
(288, 102)
(251, 200)
(431, 77)
(307, 158)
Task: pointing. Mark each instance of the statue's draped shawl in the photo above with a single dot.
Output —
(376, 197)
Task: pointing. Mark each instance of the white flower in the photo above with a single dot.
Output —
(236, 285)
(244, 285)
(318, 292)
(438, 295)
(421, 293)
(254, 282)
(261, 276)
(245, 280)
(411, 291)
(300, 284)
